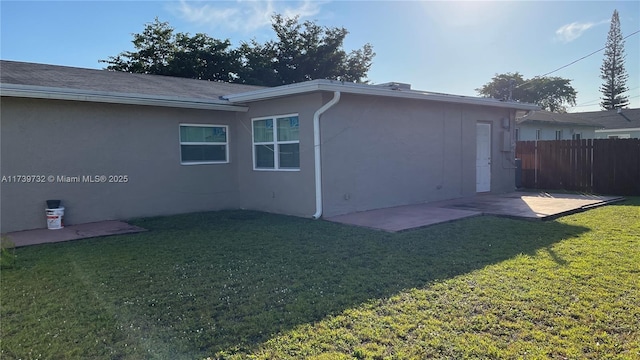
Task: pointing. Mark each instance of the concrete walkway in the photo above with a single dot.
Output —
(522, 205)
(72, 232)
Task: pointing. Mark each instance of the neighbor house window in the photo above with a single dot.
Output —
(576, 136)
(538, 134)
(620, 136)
(203, 144)
(276, 143)
(517, 134)
(558, 134)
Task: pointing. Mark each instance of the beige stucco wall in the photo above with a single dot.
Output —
(51, 137)
(284, 192)
(376, 152)
(382, 152)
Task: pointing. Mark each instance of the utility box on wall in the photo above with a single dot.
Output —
(507, 146)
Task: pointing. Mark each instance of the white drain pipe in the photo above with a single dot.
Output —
(316, 147)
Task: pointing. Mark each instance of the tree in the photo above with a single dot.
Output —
(154, 48)
(550, 93)
(203, 57)
(612, 70)
(302, 52)
(161, 52)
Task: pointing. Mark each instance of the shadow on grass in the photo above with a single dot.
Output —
(201, 284)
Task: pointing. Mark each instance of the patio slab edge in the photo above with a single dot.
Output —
(584, 208)
(72, 232)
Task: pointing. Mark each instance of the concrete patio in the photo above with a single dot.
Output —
(72, 232)
(521, 205)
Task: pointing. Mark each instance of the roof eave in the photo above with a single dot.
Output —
(359, 89)
(41, 92)
(557, 123)
(616, 130)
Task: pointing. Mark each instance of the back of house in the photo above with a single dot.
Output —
(114, 145)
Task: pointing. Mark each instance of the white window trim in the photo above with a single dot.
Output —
(226, 145)
(276, 144)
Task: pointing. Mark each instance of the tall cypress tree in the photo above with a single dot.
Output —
(612, 70)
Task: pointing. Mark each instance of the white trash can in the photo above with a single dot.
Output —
(55, 218)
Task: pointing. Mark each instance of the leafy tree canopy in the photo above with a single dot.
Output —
(300, 52)
(550, 93)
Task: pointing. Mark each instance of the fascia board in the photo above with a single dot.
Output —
(556, 123)
(617, 130)
(358, 89)
(42, 92)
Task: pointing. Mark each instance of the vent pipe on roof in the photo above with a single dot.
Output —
(316, 147)
(396, 86)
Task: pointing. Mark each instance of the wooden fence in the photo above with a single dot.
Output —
(599, 166)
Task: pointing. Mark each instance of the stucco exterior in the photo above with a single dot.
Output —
(284, 192)
(70, 138)
(380, 152)
(376, 153)
(385, 145)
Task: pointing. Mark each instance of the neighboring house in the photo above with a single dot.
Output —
(115, 145)
(616, 124)
(546, 125)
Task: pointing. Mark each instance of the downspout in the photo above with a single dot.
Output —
(316, 147)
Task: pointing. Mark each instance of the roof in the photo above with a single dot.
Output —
(67, 83)
(375, 90)
(613, 119)
(548, 117)
(31, 80)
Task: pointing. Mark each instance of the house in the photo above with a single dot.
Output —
(615, 124)
(546, 125)
(116, 145)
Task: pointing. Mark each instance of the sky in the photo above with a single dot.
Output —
(449, 47)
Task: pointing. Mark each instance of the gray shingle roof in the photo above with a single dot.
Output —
(611, 119)
(65, 77)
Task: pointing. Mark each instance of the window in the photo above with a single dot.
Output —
(276, 143)
(538, 134)
(558, 134)
(203, 144)
(576, 136)
(517, 134)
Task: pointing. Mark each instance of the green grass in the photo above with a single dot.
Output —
(239, 284)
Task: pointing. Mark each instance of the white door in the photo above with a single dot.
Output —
(483, 157)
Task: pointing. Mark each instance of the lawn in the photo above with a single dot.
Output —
(241, 284)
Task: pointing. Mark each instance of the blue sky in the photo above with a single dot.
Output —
(450, 47)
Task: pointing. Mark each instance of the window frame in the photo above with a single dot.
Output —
(275, 143)
(226, 144)
(559, 134)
